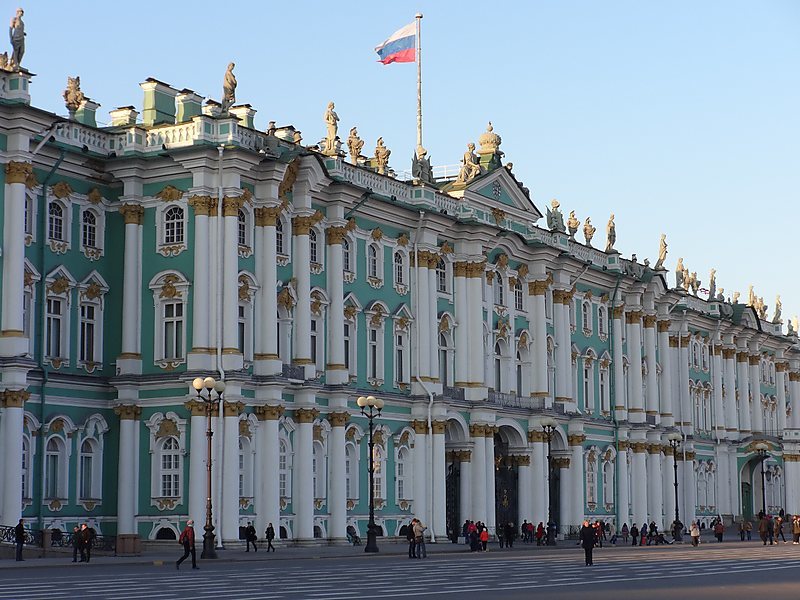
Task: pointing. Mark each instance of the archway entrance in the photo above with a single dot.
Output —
(456, 442)
(506, 488)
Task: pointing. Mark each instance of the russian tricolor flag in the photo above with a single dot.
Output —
(400, 47)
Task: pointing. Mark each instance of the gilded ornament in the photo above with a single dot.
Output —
(94, 196)
(167, 428)
(169, 194)
(59, 286)
(498, 214)
(18, 172)
(30, 181)
(376, 234)
(61, 190)
(92, 291)
(168, 289)
(285, 299)
(132, 213)
(244, 288)
(350, 312)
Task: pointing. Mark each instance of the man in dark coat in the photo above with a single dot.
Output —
(87, 541)
(588, 537)
(250, 536)
(270, 535)
(19, 538)
(410, 539)
(77, 544)
(187, 539)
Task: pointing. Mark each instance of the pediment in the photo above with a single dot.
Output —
(500, 189)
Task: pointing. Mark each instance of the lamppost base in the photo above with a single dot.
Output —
(372, 541)
(209, 545)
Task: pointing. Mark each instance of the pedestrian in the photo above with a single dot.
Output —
(484, 537)
(588, 535)
(187, 539)
(270, 535)
(510, 533)
(694, 532)
(77, 545)
(624, 531)
(612, 534)
(412, 546)
(524, 531)
(598, 530)
(643, 533)
(677, 530)
(748, 528)
(779, 530)
(796, 529)
(719, 529)
(419, 539)
(741, 529)
(87, 539)
(250, 537)
(539, 533)
(465, 530)
(19, 538)
(634, 534)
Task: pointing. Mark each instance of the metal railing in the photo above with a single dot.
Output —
(101, 543)
(32, 538)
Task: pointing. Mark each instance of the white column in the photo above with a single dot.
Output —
(465, 485)
(336, 372)
(686, 419)
(655, 492)
(14, 260)
(12, 427)
(267, 361)
(794, 397)
(126, 482)
(563, 352)
(230, 473)
(201, 274)
(757, 420)
(652, 400)
(268, 501)
(638, 482)
(439, 476)
(717, 369)
(337, 494)
(723, 488)
(743, 392)
(668, 485)
(689, 489)
(525, 489)
(791, 465)
(302, 473)
(619, 399)
(623, 493)
(491, 515)
(423, 311)
(129, 360)
(198, 459)
(476, 342)
(633, 322)
(537, 291)
(729, 397)
(433, 320)
(577, 480)
(780, 386)
(733, 480)
(539, 482)
(478, 468)
(667, 374)
(232, 358)
(301, 340)
(420, 458)
(565, 499)
(462, 374)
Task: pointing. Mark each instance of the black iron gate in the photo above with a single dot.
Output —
(505, 485)
(453, 499)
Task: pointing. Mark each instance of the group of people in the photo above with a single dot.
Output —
(771, 528)
(83, 538)
(415, 534)
(529, 533)
(644, 535)
(187, 540)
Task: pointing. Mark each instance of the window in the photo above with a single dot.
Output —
(30, 217)
(602, 317)
(55, 222)
(313, 246)
(605, 398)
(400, 358)
(403, 474)
(372, 261)
(519, 374)
(173, 330)
(499, 290)
(445, 375)
(588, 396)
(55, 469)
(55, 327)
(284, 482)
(518, 296)
(347, 256)
(173, 225)
(242, 326)
(318, 468)
(347, 346)
(279, 242)
(399, 269)
(316, 344)
(372, 366)
(170, 468)
(89, 229)
(87, 333)
(591, 478)
(351, 471)
(608, 481)
(441, 277)
(586, 316)
(245, 467)
(242, 228)
(498, 367)
(379, 480)
(87, 470)
(27, 463)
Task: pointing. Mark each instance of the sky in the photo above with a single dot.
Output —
(681, 117)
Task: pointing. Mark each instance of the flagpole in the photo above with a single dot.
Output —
(418, 18)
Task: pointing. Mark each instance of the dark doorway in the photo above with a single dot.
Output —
(505, 485)
(747, 501)
(555, 495)
(453, 496)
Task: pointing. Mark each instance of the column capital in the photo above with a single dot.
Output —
(623, 445)
(663, 325)
(200, 204)
(650, 321)
(464, 455)
(302, 225)
(490, 430)
(685, 339)
(754, 360)
(196, 408)
(633, 317)
(18, 172)
(791, 457)
(267, 216)
(794, 376)
(654, 448)
(576, 439)
(717, 349)
(728, 353)
(742, 357)
(420, 426)
(231, 205)
(536, 436)
(562, 462)
(14, 398)
(781, 367)
(617, 312)
(233, 409)
(639, 447)
(477, 430)
(335, 235)
(132, 213)
(460, 268)
(538, 288)
(439, 427)
(269, 412)
(305, 415)
(338, 419)
(128, 412)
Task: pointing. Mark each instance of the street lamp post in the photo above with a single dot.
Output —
(210, 385)
(674, 440)
(371, 408)
(762, 448)
(549, 425)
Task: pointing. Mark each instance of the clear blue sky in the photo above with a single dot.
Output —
(678, 116)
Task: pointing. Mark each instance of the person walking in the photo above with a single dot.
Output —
(19, 539)
(634, 534)
(796, 530)
(612, 534)
(484, 537)
(250, 537)
(77, 545)
(624, 532)
(588, 535)
(187, 539)
(270, 535)
(741, 529)
(539, 533)
(419, 539)
(779, 530)
(510, 532)
(643, 534)
(719, 529)
(694, 532)
(748, 528)
(412, 545)
(87, 539)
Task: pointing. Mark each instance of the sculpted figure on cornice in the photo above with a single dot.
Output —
(712, 284)
(662, 251)
(421, 166)
(572, 225)
(555, 220)
(332, 128)
(778, 309)
(228, 88)
(611, 234)
(16, 33)
(381, 156)
(354, 145)
(470, 168)
(588, 231)
(73, 96)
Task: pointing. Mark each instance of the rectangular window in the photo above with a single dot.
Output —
(86, 477)
(52, 476)
(314, 341)
(518, 305)
(87, 333)
(373, 353)
(348, 487)
(54, 324)
(347, 346)
(242, 328)
(173, 330)
(241, 475)
(401, 493)
(398, 367)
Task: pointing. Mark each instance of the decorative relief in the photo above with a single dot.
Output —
(244, 429)
(61, 190)
(165, 503)
(498, 214)
(376, 234)
(245, 291)
(269, 412)
(168, 289)
(94, 196)
(169, 194)
(58, 247)
(286, 299)
(60, 286)
(289, 177)
(167, 428)
(92, 253)
(172, 250)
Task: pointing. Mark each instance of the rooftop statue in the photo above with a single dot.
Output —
(16, 33)
(778, 309)
(332, 128)
(662, 251)
(796, 324)
(470, 167)
(611, 234)
(228, 89)
(4, 61)
(354, 145)
(751, 296)
(721, 295)
(381, 156)
(588, 231)
(271, 129)
(421, 166)
(297, 137)
(73, 96)
(679, 273)
(694, 282)
(790, 326)
(712, 284)
(736, 297)
(555, 220)
(572, 225)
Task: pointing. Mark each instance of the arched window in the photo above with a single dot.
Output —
(245, 467)
(170, 468)
(498, 367)
(318, 468)
(519, 374)
(608, 482)
(605, 396)
(26, 467)
(519, 302)
(173, 225)
(372, 261)
(279, 249)
(399, 269)
(87, 470)
(587, 387)
(347, 257)
(586, 317)
(313, 245)
(55, 468)
(441, 276)
(89, 229)
(602, 317)
(242, 228)
(403, 475)
(88, 329)
(591, 478)
(499, 291)
(351, 471)
(379, 475)
(55, 222)
(284, 481)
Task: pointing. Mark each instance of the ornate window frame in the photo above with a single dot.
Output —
(245, 226)
(349, 260)
(172, 246)
(31, 214)
(169, 288)
(96, 251)
(373, 256)
(93, 433)
(91, 293)
(163, 427)
(58, 287)
(285, 462)
(376, 333)
(59, 241)
(400, 271)
(404, 468)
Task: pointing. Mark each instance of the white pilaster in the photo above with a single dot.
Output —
(420, 459)
(537, 291)
(337, 495)
(126, 491)
(491, 515)
(423, 312)
(198, 459)
(667, 374)
(685, 421)
(301, 338)
(433, 321)
(638, 480)
(565, 498)
(652, 400)
(655, 490)
(12, 428)
(268, 502)
(12, 342)
(757, 414)
(743, 391)
(729, 392)
(668, 485)
(130, 359)
(525, 489)
(539, 483)
(302, 471)
(199, 356)
(633, 322)
(563, 352)
(623, 491)
(230, 473)
(462, 374)
(336, 372)
(476, 342)
(478, 468)
(465, 485)
(717, 369)
(577, 479)
(439, 521)
(619, 399)
(780, 387)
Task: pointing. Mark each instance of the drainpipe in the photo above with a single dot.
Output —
(422, 383)
(218, 293)
(43, 317)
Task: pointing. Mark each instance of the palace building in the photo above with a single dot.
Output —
(181, 242)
